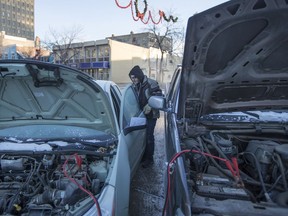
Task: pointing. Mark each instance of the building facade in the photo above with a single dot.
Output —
(17, 18)
(145, 39)
(12, 47)
(17, 31)
(109, 59)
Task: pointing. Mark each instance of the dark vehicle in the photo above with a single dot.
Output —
(226, 113)
(69, 144)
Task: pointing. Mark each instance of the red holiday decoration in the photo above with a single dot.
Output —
(145, 12)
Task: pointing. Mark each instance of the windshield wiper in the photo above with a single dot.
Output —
(91, 142)
(3, 139)
(37, 117)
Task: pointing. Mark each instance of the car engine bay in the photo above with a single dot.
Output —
(246, 171)
(49, 184)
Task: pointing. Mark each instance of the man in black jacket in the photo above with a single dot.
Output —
(146, 87)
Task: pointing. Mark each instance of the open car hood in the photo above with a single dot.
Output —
(235, 59)
(34, 92)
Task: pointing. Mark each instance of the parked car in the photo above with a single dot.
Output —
(69, 144)
(226, 113)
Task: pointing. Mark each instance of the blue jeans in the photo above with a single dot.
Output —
(150, 141)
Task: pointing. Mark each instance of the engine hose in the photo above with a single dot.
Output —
(276, 182)
(212, 142)
(40, 177)
(257, 183)
(27, 181)
(223, 155)
(253, 199)
(281, 167)
(260, 175)
(37, 189)
(216, 164)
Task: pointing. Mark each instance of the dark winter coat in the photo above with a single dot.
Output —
(145, 88)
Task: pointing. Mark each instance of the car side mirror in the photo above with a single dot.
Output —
(158, 102)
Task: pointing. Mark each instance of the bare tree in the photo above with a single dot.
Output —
(169, 38)
(61, 43)
(26, 52)
(1, 51)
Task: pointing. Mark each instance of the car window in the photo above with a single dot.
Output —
(131, 106)
(116, 94)
(174, 88)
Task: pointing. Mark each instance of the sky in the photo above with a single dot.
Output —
(100, 19)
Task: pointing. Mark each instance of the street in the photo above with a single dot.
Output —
(147, 187)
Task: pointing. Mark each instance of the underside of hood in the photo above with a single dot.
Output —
(235, 59)
(33, 92)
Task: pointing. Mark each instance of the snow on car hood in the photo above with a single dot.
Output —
(235, 59)
(33, 93)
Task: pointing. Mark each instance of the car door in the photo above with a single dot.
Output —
(170, 117)
(179, 194)
(133, 127)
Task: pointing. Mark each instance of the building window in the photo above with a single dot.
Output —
(93, 53)
(88, 53)
(103, 53)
